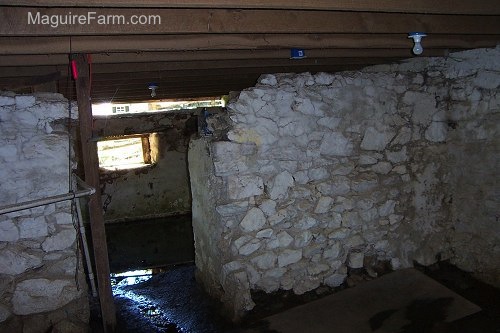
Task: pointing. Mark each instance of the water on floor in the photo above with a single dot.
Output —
(168, 302)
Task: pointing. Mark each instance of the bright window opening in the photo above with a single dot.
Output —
(120, 109)
(128, 152)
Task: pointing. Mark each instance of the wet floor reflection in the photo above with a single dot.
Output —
(168, 302)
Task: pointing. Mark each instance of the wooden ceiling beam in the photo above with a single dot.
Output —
(483, 7)
(129, 57)
(31, 21)
(109, 44)
(13, 83)
(240, 64)
(158, 67)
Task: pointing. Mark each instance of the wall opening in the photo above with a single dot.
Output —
(127, 152)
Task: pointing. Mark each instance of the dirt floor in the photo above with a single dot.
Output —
(172, 301)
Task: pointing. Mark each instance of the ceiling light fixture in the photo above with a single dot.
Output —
(417, 38)
(153, 87)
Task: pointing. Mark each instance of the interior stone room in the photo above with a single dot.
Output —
(299, 182)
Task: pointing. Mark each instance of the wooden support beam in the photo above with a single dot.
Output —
(130, 57)
(91, 168)
(483, 7)
(159, 67)
(138, 43)
(32, 21)
(12, 83)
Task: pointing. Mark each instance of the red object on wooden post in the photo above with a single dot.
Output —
(74, 69)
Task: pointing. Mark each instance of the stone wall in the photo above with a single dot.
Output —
(161, 189)
(474, 151)
(320, 174)
(42, 283)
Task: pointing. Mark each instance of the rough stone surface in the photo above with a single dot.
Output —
(335, 144)
(34, 158)
(355, 259)
(375, 140)
(335, 280)
(253, 220)
(288, 257)
(41, 295)
(4, 313)
(60, 241)
(33, 227)
(280, 186)
(240, 187)
(8, 231)
(368, 164)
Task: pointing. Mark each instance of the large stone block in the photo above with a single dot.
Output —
(333, 251)
(336, 144)
(280, 186)
(323, 205)
(355, 259)
(33, 227)
(7, 100)
(266, 260)
(306, 222)
(232, 208)
(24, 101)
(240, 187)
(41, 295)
(387, 208)
(60, 241)
(8, 231)
(376, 140)
(284, 239)
(303, 239)
(250, 247)
(335, 280)
(254, 220)
(397, 156)
(436, 132)
(288, 257)
(339, 185)
(17, 262)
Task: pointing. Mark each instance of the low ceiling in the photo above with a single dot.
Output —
(206, 48)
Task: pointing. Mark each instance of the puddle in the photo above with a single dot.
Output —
(130, 278)
(140, 305)
(170, 301)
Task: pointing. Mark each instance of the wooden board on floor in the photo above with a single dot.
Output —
(402, 301)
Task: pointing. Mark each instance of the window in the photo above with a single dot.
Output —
(121, 108)
(127, 152)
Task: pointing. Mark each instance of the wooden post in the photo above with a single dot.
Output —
(91, 169)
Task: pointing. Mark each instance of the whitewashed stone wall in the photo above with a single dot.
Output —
(38, 253)
(320, 174)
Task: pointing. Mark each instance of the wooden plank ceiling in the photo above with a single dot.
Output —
(203, 48)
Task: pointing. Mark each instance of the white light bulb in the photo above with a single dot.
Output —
(418, 49)
(153, 87)
(417, 38)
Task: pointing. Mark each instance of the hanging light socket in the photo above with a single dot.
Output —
(153, 87)
(417, 39)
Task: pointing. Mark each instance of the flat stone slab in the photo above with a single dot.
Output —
(402, 301)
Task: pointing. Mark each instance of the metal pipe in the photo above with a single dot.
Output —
(83, 235)
(49, 200)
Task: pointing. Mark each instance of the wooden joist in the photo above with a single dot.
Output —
(32, 21)
(110, 44)
(483, 7)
